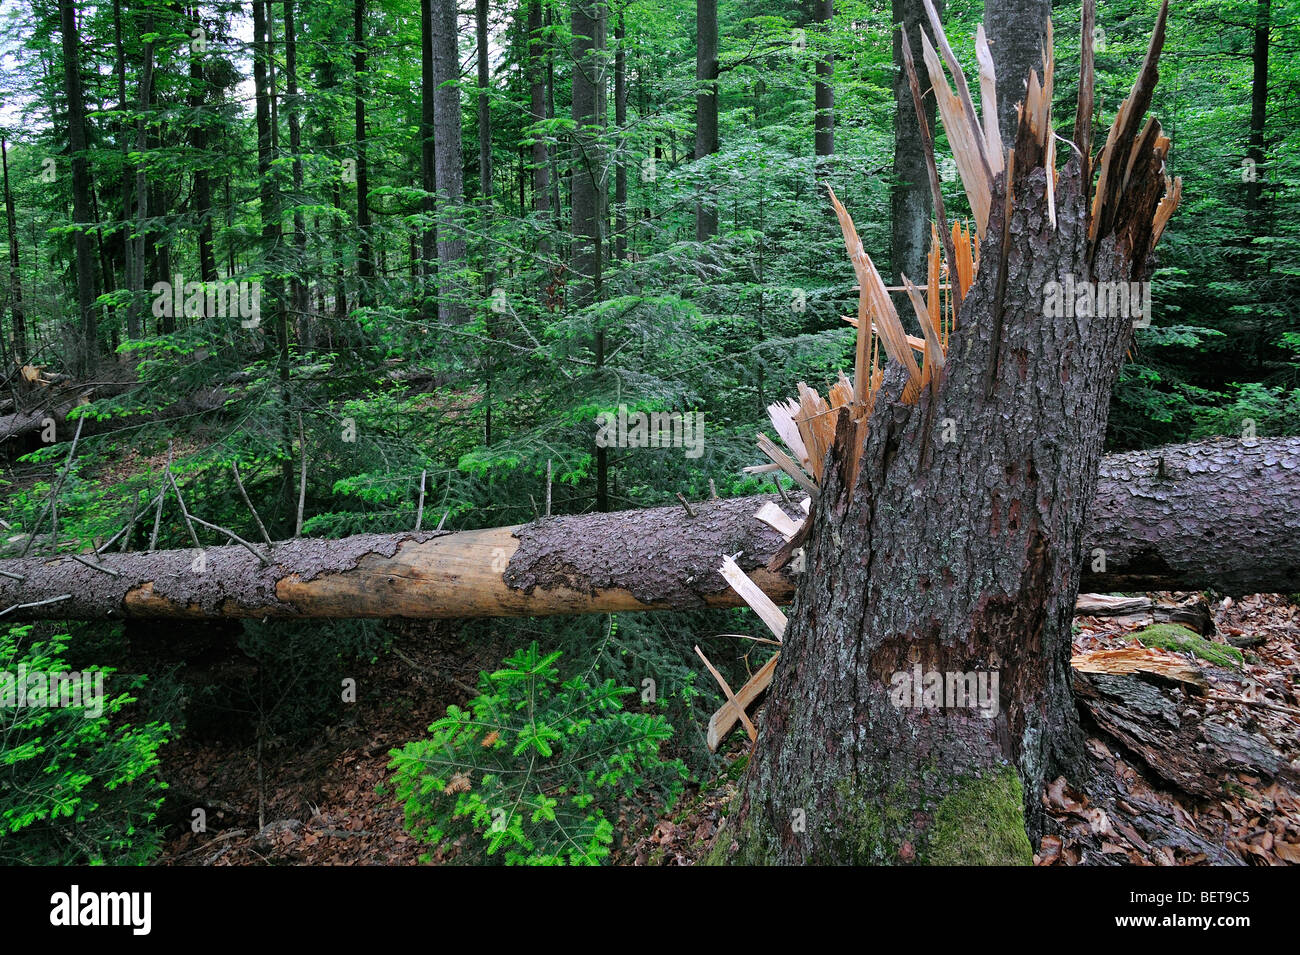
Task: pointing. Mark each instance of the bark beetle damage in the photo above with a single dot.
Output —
(660, 555)
(232, 579)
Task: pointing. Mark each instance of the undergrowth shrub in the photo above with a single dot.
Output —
(533, 771)
(76, 787)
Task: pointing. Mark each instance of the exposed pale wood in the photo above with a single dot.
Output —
(786, 463)
(734, 706)
(989, 101)
(777, 519)
(753, 595)
(1142, 661)
(722, 722)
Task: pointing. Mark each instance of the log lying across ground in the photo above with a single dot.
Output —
(1216, 515)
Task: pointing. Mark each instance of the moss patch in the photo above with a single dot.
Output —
(982, 822)
(1170, 636)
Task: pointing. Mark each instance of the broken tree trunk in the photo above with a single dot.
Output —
(1216, 514)
(949, 529)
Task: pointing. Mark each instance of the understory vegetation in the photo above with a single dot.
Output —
(431, 344)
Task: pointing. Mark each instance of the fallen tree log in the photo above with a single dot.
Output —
(1217, 514)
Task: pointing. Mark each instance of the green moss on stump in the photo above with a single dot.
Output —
(982, 822)
(1171, 636)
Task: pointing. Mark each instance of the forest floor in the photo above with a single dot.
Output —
(328, 803)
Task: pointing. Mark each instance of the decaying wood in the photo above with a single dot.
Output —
(1217, 514)
(1183, 749)
(1144, 662)
(1193, 613)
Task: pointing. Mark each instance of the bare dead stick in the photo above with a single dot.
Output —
(302, 477)
(419, 510)
(244, 494)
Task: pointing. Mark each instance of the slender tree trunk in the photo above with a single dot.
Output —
(448, 160)
(620, 121)
(481, 13)
(538, 54)
(15, 278)
(365, 251)
(588, 201)
(428, 168)
(87, 349)
(910, 203)
(706, 107)
(135, 317)
(199, 142)
(823, 90)
(298, 289)
(1017, 31)
(1258, 266)
(1258, 114)
(128, 181)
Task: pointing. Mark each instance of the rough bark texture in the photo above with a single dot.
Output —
(1198, 527)
(956, 556)
(87, 346)
(588, 200)
(448, 159)
(1017, 31)
(823, 90)
(910, 204)
(1185, 751)
(706, 106)
(1201, 514)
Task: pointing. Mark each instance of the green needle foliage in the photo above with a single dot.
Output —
(74, 789)
(533, 771)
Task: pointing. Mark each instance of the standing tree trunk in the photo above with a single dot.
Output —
(950, 542)
(1258, 116)
(365, 251)
(428, 166)
(910, 203)
(199, 143)
(538, 110)
(135, 317)
(1258, 269)
(1017, 30)
(87, 345)
(588, 201)
(447, 160)
(706, 107)
(481, 11)
(298, 289)
(15, 280)
(620, 122)
(823, 91)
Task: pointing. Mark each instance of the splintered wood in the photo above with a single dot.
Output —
(1133, 202)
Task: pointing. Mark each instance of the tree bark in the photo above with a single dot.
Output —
(620, 123)
(298, 289)
(588, 199)
(447, 159)
(911, 206)
(365, 250)
(948, 544)
(428, 166)
(541, 160)
(87, 345)
(15, 278)
(706, 107)
(823, 90)
(199, 142)
(1017, 31)
(1217, 514)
